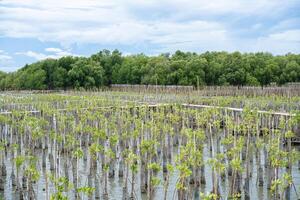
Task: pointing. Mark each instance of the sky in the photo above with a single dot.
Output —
(32, 30)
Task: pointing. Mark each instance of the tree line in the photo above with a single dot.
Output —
(181, 68)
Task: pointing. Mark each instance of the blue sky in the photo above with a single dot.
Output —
(32, 30)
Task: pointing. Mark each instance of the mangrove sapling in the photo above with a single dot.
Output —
(164, 148)
(126, 178)
(110, 157)
(273, 147)
(216, 125)
(167, 175)
(132, 164)
(105, 169)
(212, 161)
(288, 136)
(175, 120)
(13, 177)
(2, 168)
(99, 136)
(236, 165)
(293, 158)
(292, 123)
(77, 155)
(227, 143)
(60, 185)
(32, 176)
(280, 186)
(184, 173)
(153, 168)
(217, 169)
(94, 150)
(134, 136)
(123, 137)
(278, 159)
(259, 146)
(248, 123)
(86, 190)
(143, 174)
(52, 153)
(2, 158)
(209, 196)
(183, 166)
(169, 134)
(209, 116)
(113, 140)
(122, 149)
(195, 148)
(147, 151)
(19, 160)
(202, 120)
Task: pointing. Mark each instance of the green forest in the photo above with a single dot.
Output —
(181, 68)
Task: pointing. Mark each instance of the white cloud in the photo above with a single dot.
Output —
(286, 24)
(32, 54)
(55, 50)
(6, 61)
(4, 56)
(55, 53)
(278, 42)
(288, 35)
(218, 7)
(168, 25)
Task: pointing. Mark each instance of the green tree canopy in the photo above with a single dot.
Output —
(181, 68)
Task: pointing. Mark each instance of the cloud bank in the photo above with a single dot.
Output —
(155, 26)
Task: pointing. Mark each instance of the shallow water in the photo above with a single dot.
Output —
(115, 185)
